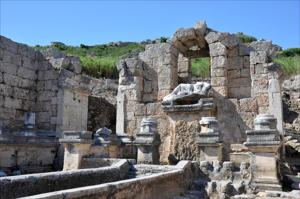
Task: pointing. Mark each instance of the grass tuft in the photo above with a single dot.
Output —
(290, 65)
(201, 67)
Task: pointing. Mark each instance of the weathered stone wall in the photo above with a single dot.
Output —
(143, 82)
(244, 80)
(18, 90)
(21, 157)
(49, 84)
(46, 102)
(184, 69)
(291, 103)
(253, 88)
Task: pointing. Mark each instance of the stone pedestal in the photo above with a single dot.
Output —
(77, 144)
(106, 143)
(147, 141)
(264, 142)
(209, 140)
(184, 127)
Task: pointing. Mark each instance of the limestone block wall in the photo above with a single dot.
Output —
(35, 82)
(291, 98)
(184, 69)
(244, 80)
(46, 101)
(143, 82)
(30, 83)
(28, 157)
(18, 90)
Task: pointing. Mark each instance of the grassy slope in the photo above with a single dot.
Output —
(100, 60)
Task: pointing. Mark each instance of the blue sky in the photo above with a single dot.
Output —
(96, 22)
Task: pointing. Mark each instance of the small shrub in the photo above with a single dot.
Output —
(84, 46)
(245, 38)
(163, 39)
(290, 52)
(59, 45)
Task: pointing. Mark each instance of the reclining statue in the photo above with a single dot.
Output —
(187, 94)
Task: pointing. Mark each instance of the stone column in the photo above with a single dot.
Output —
(209, 140)
(275, 103)
(264, 143)
(77, 144)
(147, 141)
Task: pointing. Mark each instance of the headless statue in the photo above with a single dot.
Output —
(187, 93)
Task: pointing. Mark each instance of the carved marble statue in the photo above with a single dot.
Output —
(187, 93)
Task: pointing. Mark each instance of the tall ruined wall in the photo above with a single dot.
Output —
(46, 103)
(143, 82)
(247, 86)
(18, 76)
(49, 84)
(244, 81)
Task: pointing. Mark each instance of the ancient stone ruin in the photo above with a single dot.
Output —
(174, 138)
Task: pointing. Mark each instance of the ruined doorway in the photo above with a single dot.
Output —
(101, 113)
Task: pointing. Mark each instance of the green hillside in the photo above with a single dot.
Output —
(100, 60)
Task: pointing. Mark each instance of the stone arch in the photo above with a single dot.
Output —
(190, 44)
(230, 69)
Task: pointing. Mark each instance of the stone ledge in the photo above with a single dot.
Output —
(268, 136)
(204, 104)
(28, 140)
(209, 138)
(218, 144)
(70, 135)
(74, 141)
(266, 143)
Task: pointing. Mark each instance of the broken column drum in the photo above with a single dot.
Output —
(264, 144)
(265, 132)
(209, 140)
(147, 141)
